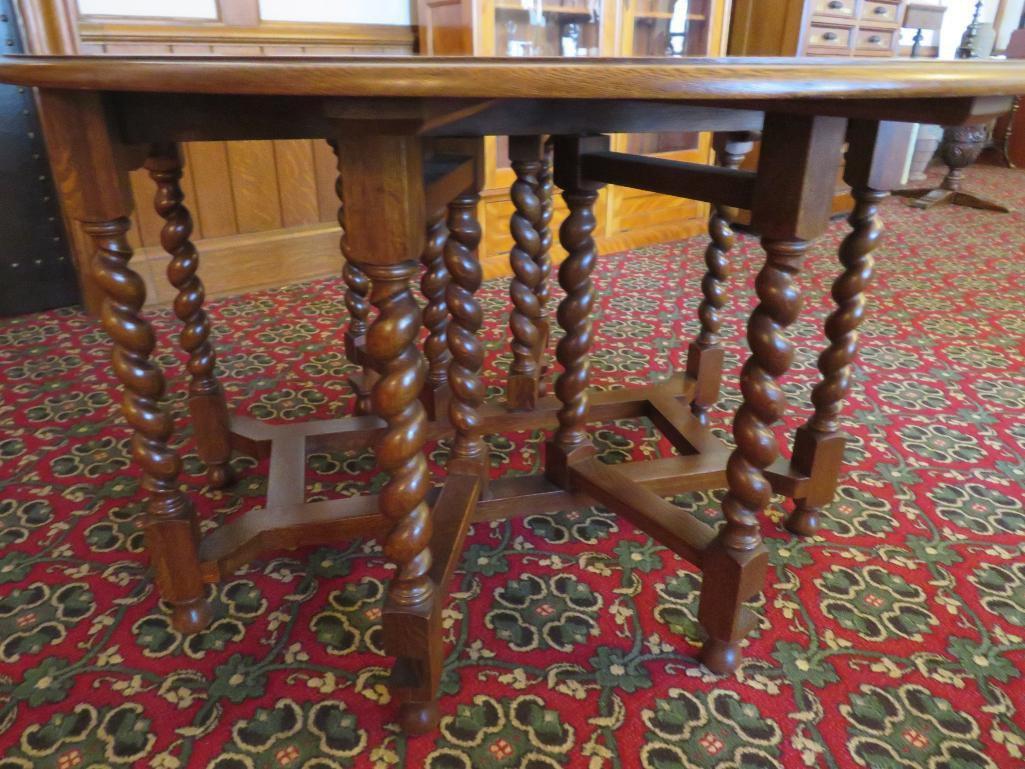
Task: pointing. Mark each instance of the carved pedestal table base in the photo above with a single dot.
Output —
(961, 146)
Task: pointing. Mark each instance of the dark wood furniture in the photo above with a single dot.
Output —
(408, 137)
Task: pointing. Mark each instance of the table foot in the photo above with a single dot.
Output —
(220, 476)
(417, 718)
(804, 521)
(191, 616)
(721, 657)
(729, 578)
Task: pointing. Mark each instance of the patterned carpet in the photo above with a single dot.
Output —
(895, 640)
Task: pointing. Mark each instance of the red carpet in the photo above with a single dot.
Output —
(896, 640)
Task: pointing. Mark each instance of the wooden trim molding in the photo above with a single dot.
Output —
(48, 26)
(102, 30)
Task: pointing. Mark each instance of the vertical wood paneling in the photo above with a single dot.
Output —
(191, 198)
(191, 49)
(235, 49)
(214, 206)
(254, 185)
(283, 50)
(150, 223)
(135, 49)
(326, 167)
(297, 182)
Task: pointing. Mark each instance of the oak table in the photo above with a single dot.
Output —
(408, 134)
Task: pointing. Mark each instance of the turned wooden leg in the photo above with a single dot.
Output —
(543, 291)
(819, 444)
(705, 354)
(525, 152)
(735, 565)
(172, 533)
(207, 405)
(94, 165)
(469, 451)
(571, 441)
(357, 292)
(410, 607)
(433, 285)
(383, 181)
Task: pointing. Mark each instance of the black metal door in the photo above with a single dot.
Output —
(36, 272)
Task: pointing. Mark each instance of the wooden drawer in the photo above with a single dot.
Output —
(834, 8)
(876, 12)
(874, 41)
(825, 38)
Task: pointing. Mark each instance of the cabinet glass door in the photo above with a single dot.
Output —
(671, 28)
(545, 28)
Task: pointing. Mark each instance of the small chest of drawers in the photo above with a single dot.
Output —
(850, 28)
(816, 27)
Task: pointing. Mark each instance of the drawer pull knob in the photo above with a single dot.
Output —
(879, 10)
(829, 35)
(875, 40)
(835, 4)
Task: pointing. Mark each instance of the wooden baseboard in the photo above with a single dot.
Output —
(497, 265)
(240, 263)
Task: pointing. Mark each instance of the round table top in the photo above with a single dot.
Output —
(732, 79)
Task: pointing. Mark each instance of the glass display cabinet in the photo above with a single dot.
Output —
(643, 28)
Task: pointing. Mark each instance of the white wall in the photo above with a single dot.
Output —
(192, 9)
(955, 20)
(339, 11)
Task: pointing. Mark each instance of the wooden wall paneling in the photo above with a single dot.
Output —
(370, 38)
(149, 222)
(271, 259)
(325, 167)
(191, 49)
(213, 205)
(232, 49)
(297, 182)
(254, 185)
(188, 185)
(283, 50)
(235, 191)
(135, 49)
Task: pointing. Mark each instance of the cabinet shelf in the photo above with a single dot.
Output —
(565, 10)
(662, 15)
